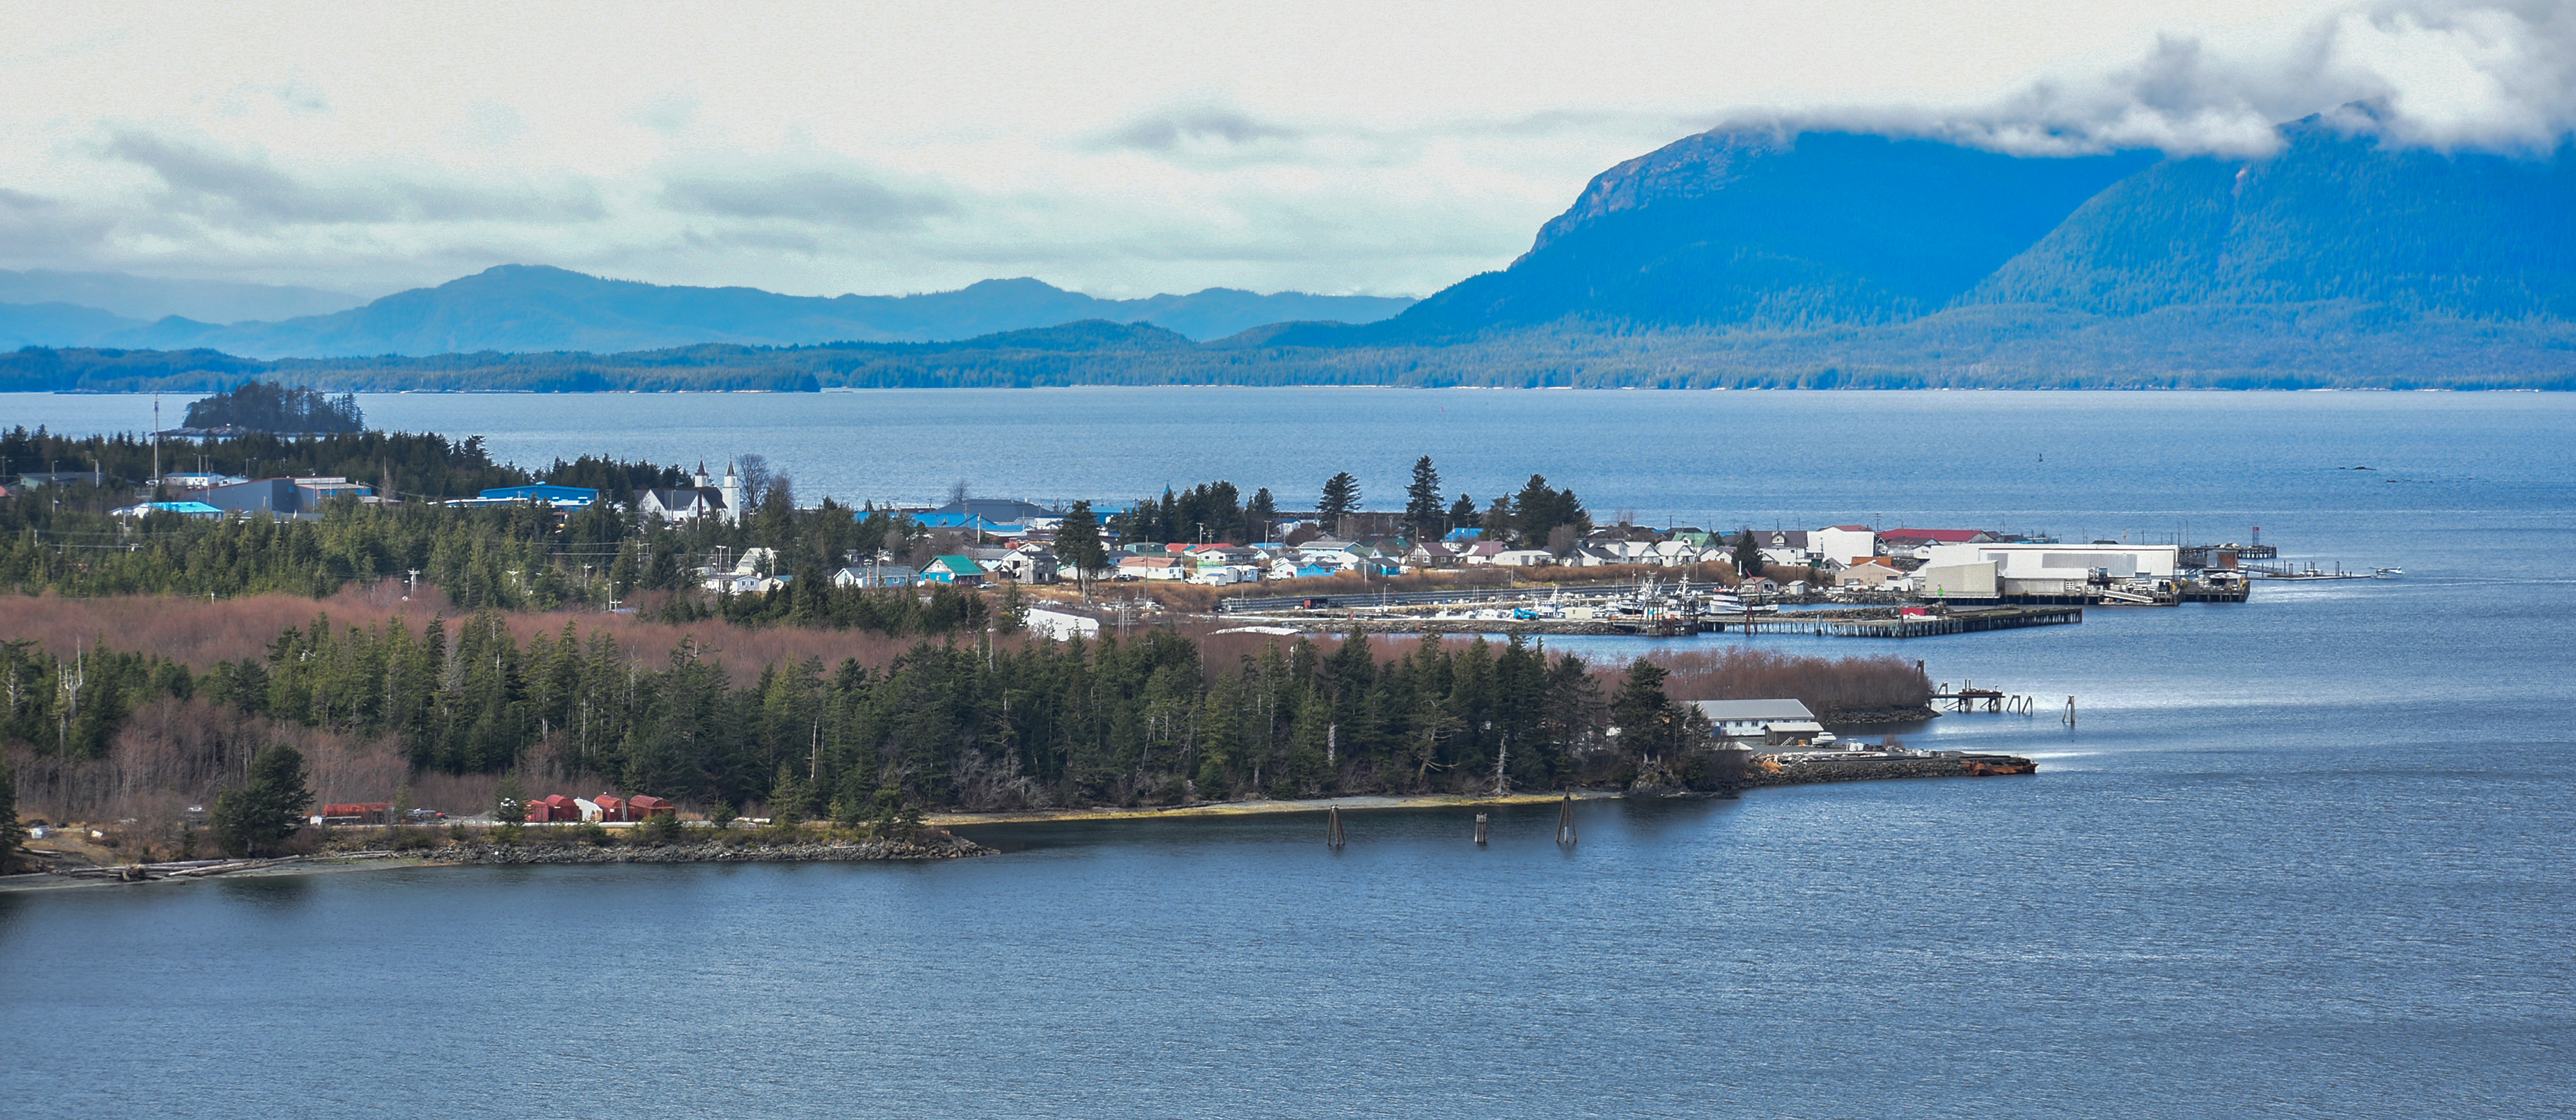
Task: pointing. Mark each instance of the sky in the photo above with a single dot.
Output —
(1118, 149)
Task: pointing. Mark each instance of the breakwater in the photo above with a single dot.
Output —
(1944, 764)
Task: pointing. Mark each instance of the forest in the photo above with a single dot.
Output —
(981, 721)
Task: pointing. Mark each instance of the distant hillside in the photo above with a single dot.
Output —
(143, 299)
(2331, 217)
(1774, 229)
(524, 308)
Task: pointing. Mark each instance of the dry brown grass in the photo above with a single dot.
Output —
(199, 633)
(1823, 683)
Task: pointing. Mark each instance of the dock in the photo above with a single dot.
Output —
(1844, 624)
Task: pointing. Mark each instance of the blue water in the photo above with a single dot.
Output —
(2307, 856)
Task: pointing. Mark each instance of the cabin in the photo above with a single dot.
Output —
(645, 807)
(1767, 722)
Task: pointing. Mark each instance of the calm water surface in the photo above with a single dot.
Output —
(2309, 856)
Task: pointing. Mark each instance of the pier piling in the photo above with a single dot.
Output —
(1480, 830)
(1565, 820)
(1333, 837)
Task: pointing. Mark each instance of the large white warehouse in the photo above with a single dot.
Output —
(2060, 569)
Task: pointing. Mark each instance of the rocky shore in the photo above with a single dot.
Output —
(1919, 713)
(1944, 765)
(933, 846)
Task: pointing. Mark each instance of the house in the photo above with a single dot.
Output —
(1758, 585)
(1766, 722)
(1464, 536)
(1153, 567)
(1483, 553)
(1300, 569)
(876, 575)
(1437, 554)
(1600, 555)
(1028, 564)
(645, 807)
(1524, 558)
(962, 570)
(1871, 574)
(1837, 545)
(1788, 548)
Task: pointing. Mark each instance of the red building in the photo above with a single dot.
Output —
(645, 807)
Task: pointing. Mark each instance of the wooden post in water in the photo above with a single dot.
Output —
(1565, 820)
(1333, 837)
(2070, 711)
(1480, 830)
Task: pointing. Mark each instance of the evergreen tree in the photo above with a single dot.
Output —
(1748, 556)
(1262, 513)
(1422, 509)
(1077, 542)
(510, 799)
(1462, 513)
(1341, 497)
(12, 834)
(267, 809)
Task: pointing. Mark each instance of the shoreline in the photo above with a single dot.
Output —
(485, 854)
(1268, 807)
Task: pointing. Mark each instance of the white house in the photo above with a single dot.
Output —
(876, 575)
(1524, 558)
(1785, 547)
(1765, 721)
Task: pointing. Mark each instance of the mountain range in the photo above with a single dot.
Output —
(536, 309)
(1741, 257)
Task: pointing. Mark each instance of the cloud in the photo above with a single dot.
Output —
(249, 191)
(2495, 76)
(1165, 132)
(821, 197)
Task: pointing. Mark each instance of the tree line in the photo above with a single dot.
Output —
(986, 724)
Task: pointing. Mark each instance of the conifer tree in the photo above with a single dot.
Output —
(1422, 510)
(263, 812)
(12, 834)
(1341, 497)
(1077, 541)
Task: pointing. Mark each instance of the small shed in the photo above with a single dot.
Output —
(612, 807)
(645, 807)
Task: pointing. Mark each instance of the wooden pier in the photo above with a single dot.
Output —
(1839, 625)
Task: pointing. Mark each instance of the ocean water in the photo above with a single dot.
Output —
(2306, 856)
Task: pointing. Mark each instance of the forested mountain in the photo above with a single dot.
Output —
(2333, 216)
(1775, 229)
(530, 309)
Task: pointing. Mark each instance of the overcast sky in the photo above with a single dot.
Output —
(1122, 150)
